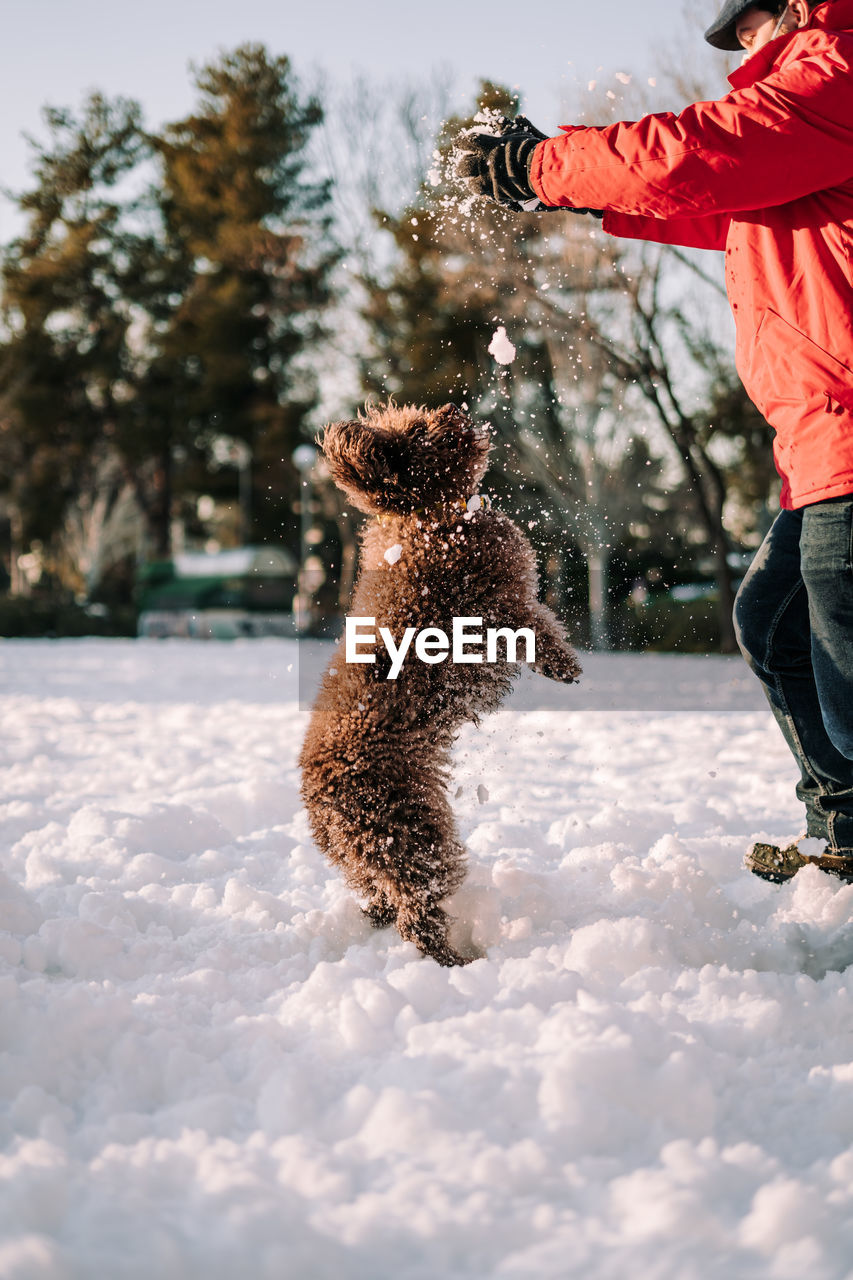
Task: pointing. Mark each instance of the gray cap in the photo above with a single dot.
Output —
(721, 34)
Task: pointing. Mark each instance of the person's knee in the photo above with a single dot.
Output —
(774, 636)
(751, 631)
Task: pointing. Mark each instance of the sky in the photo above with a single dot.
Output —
(55, 52)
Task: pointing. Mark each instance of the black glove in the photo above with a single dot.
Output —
(497, 166)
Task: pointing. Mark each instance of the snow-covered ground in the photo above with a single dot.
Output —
(212, 1067)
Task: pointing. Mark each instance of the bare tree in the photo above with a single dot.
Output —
(622, 353)
(104, 526)
(624, 324)
(649, 363)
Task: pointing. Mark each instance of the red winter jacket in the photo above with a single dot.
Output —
(767, 174)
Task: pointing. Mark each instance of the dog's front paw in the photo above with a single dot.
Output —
(564, 668)
(562, 677)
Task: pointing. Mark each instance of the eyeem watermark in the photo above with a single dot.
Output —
(434, 645)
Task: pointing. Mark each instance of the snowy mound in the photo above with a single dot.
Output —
(212, 1066)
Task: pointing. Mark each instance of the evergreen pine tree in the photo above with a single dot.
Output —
(246, 237)
(65, 367)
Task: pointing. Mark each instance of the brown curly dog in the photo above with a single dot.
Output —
(376, 756)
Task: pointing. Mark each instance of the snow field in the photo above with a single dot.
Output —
(211, 1065)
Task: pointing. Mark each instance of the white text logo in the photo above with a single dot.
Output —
(433, 645)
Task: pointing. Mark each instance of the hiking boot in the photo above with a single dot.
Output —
(770, 862)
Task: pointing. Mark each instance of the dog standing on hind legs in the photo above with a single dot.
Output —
(376, 757)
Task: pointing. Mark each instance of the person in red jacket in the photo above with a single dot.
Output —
(765, 174)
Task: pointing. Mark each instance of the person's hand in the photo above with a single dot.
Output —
(496, 165)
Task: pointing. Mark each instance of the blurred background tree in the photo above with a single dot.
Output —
(186, 306)
(161, 301)
(65, 367)
(592, 414)
(247, 254)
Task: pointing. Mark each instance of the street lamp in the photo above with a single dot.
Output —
(229, 452)
(304, 457)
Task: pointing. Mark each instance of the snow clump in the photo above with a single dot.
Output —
(500, 346)
(211, 1064)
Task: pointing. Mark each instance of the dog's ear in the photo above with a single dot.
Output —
(452, 424)
(359, 459)
(465, 445)
(449, 418)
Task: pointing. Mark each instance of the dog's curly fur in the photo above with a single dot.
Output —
(376, 755)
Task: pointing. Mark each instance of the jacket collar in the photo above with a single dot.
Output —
(830, 15)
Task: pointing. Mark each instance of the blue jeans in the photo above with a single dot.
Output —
(794, 624)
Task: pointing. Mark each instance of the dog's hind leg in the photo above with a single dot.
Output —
(396, 844)
(380, 911)
(427, 928)
(420, 868)
(425, 864)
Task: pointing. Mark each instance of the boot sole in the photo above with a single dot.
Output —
(778, 866)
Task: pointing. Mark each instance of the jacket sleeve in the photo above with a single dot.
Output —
(689, 233)
(786, 136)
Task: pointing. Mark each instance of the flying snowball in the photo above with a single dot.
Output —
(500, 347)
